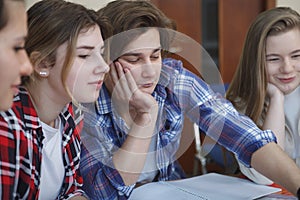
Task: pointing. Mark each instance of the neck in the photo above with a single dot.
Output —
(46, 102)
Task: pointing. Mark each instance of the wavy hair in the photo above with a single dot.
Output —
(125, 15)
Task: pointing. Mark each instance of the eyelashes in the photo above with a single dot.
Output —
(19, 48)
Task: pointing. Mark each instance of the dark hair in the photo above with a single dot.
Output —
(3, 16)
(136, 17)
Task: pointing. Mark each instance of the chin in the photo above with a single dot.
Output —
(287, 91)
(148, 91)
(91, 100)
(6, 105)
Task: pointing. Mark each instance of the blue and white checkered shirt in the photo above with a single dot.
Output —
(179, 93)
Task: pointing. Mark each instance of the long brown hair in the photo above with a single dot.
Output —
(52, 23)
(247, 90)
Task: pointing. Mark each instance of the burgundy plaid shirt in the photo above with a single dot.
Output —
(21, 146)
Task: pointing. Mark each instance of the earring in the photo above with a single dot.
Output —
(43, 74)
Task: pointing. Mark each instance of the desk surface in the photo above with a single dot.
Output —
(210, 186)
(283, 194)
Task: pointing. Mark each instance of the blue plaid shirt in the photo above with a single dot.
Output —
(179, 93)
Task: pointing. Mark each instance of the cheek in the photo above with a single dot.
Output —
(9, 68)
(128, 68)
(5, 84)
(271, 71)
(76, 74)
(158, 69)
(297, 67)
(8, 58)
(72, 80)
(136, 73)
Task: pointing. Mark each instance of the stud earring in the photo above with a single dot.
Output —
(43, 74)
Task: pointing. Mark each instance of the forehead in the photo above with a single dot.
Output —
(16, 18)
(286, 41)
(90, 37)
(147, 40)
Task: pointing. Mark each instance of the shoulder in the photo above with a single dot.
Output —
(21, 116)
(172, 64)
(176, 69)
(23, 109)
(23, 100)
(172, 69)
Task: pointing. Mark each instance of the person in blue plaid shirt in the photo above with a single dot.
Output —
(121, 147)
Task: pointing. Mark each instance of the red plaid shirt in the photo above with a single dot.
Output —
(21, 146)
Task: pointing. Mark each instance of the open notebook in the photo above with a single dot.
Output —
(210, 186)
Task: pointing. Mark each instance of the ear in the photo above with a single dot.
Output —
(41, 67)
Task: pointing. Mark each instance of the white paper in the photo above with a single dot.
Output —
(210, 186)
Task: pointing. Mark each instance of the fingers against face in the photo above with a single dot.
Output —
(123, 80)
(130, 80)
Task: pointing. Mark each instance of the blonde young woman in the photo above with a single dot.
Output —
(39, 140)
(14, 61)
(266, 84)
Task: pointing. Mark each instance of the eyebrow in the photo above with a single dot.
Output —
(88, 47)
(296, 51)
(21, 38)
(271, 54)
(85, 47)
(274, 54)
(137, 54)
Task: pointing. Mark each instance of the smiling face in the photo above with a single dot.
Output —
(283, 60)
(87, 72)
(143, 58)
(14, 62)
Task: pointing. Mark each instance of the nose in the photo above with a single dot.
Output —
(26, 67)
(102, 66)
(287, 66)
(148, 68)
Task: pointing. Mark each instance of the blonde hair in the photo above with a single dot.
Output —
(247, 91)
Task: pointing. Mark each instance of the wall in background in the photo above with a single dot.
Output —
(290, 3)
(96, 4)
(92, 4)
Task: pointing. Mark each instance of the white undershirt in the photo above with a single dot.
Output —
(52, 172)
(292, 113)
(150, 168)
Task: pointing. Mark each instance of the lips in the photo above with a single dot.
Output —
(147, 85)
(15, 89)
(287, 80)
(98, 84)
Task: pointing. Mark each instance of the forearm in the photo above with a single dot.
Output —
(101, 181)
(254, 175)
(78, 198)
(271, 161)
(130, 163)
(275, 120)
(130, 158)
